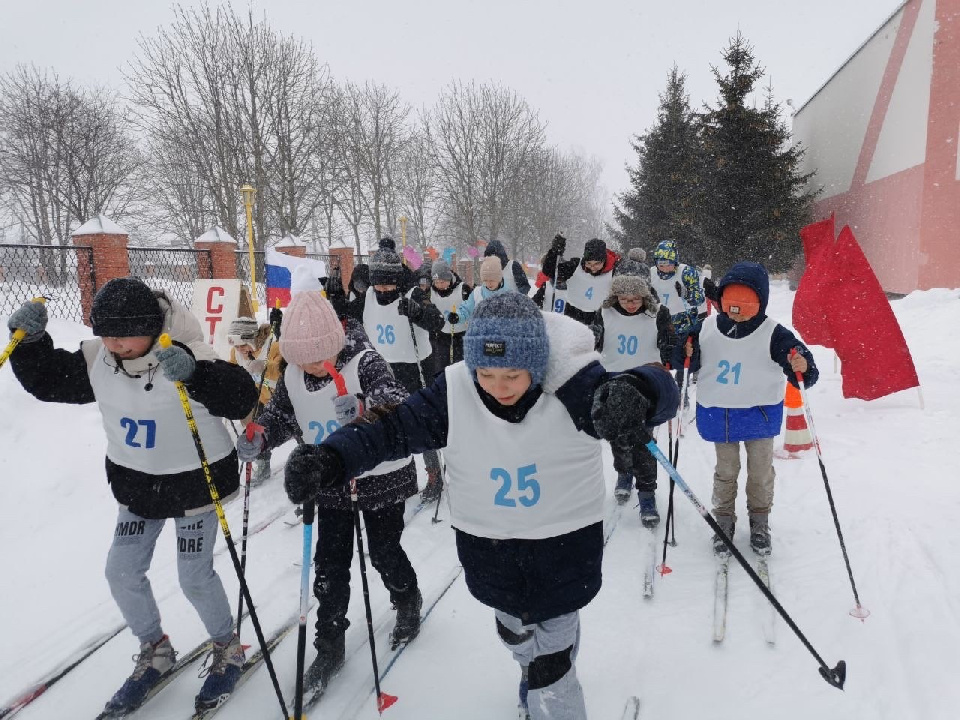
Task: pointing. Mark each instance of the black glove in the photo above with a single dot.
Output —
(559, 244)
(403, 305)
(310, 469)
(453, 318)
(681, 292)
(619, 412)
(710, 290)
(276, 317)
(421, 295)
(597, 330)
(412, 309)
(666, 337)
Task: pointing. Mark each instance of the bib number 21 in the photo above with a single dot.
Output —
(528, 489)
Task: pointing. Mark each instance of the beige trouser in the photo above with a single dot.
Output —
(760, 477)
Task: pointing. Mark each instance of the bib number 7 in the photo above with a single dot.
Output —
(528, 489)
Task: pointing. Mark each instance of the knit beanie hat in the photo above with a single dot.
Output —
(595, 249)
(637, 255)
(310, 331)
(491, 270)
(126, 307)
(666, 252)
(441, 271)
(385, 268)
(627, 285)
(507, 331)
(387, 243)
(243, 331)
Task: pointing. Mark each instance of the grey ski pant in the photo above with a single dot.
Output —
(129, 559)
(548, 649)
(760, 477)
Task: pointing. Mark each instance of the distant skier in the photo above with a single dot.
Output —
(513, 275)
(742, 356)
(492, 283)
(306, 403)
(449, 293)
(527, 503)
(586, 279)
(152, 464)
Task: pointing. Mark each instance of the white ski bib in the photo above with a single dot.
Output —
(738, 373)
(389, 331)
(667, 291)
(628, 340)
(316, 414)
(146, 429)
(558, 297)
(509, 282)
(446, 306)
(534, 479)
(587, 292)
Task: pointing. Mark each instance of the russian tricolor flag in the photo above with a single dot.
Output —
(280, 272)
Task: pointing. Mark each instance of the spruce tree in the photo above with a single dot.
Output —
(665, 196)
(756, 197)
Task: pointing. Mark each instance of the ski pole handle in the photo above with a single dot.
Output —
(338, 379)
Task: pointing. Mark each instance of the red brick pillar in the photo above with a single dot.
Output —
(222, 249)
(344, 256)
(299, 251)
(466, 271)
(109, 243)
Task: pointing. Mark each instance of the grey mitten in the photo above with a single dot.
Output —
(348, 408)
(177, 363)
(31, 317)
(249, 449)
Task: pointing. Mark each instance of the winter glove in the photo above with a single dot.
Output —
(250, 450)
(453, 318)
(348, 408)
(619, 412)
(177, 363)
(403, 305)
(411, 308)
(666, 338)
(559, 244)
(597, 330)
(710, 290)
(31, 317)
(310, 469)
(256, 368)
(276, 317)
(681, 291)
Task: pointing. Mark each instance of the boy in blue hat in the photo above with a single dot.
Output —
(525, 475)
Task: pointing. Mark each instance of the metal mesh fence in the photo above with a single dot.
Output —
(56, 272)
(171, 269)
(243, 272)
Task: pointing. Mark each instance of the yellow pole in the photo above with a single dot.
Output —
(403, 231)
(15, 339)
(248, 192)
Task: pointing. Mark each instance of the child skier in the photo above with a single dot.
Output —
(742, 356)
(513, 275)
(633, 329)
(587, 279)
(398, 324)
(527, 503)
(152, 464)
(491, 283)
(306, 403)
(449, 294)
(252, 349)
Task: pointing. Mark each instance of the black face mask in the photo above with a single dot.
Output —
(360, 286)
(385, 298)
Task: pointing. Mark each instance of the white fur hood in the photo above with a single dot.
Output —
(571, 349)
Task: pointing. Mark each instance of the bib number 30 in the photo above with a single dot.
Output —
(528, 489)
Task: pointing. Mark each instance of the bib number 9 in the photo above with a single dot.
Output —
(725, 370)
(558, 305)
(528, 489)
(385, 335)
(331, 427)
(133, 429)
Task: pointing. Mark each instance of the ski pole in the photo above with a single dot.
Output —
(452, 334)
(18, 335)
(859, 611)
(834, 676)
(251, 428)
(166, 342)
(383, 699)
(671, 525)
(308, 508)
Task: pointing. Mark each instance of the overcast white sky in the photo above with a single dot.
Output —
(592, 69)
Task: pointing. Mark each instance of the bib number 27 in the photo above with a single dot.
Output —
(527, 491)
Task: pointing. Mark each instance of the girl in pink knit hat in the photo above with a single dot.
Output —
(305, 404)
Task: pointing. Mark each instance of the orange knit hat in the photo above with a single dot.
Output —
(741, 299)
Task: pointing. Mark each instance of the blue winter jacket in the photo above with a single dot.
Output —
(465, 309)
(533, 580)
(717, 424)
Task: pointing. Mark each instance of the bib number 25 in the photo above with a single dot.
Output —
(527, 491)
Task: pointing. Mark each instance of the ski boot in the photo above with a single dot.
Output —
(522, 708)
(760, 541)
(649, 517)
(330, 657)
(624, 487)
(408, 618)
(153, 660)
(431, 492)
(728, 524)
(221, 669)
(261, 470)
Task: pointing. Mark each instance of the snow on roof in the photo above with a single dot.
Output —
(217, 234)
(291, 241)
(99, 225)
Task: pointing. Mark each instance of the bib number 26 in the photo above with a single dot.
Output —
(528, 489)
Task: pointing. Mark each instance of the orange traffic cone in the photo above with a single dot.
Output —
(796, 438)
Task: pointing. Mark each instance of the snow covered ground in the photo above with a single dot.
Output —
(894, 479)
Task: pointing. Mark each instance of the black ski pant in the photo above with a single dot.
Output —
(645, 472)
(441, 350)
(335, 535)
(408, 375)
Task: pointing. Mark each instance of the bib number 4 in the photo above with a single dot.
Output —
(527, 492)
